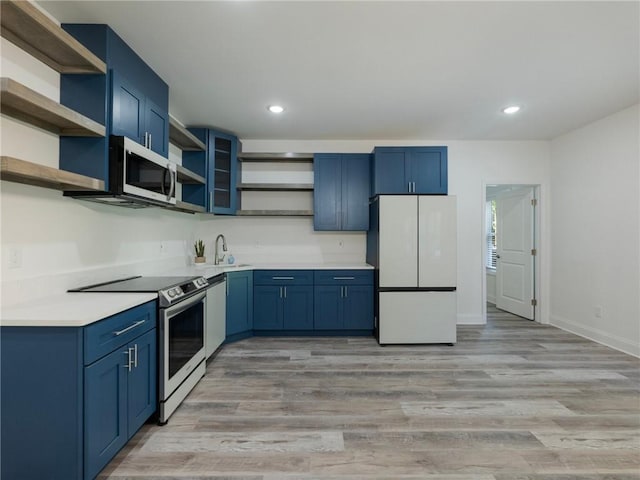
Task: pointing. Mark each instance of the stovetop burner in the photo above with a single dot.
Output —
(170, 290)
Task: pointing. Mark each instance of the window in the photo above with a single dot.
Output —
(491, 234)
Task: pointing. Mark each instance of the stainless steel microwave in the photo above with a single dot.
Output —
(138, 177)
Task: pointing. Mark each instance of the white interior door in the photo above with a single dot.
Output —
(398, 241)
(515, 259)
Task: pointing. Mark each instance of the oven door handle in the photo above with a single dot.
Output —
(184, 305)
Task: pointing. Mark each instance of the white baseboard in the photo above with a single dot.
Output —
(470, 319)
(597, 335)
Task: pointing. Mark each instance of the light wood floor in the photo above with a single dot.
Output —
(511, 400)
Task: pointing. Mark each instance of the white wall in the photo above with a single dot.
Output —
(595, 228)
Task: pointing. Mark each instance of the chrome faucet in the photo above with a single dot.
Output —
(218, 258)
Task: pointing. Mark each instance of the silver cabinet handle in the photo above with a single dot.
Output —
(130, 327)
(211, 200)
(282, 278)
(414, 187)
(409, 187)
(344, 278)
(128, 365)
(135, 355)
(149, 147)
(341, 292)
(285, 292)
(346, 292)
(280, 289)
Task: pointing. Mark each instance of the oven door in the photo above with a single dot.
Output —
(182, 337)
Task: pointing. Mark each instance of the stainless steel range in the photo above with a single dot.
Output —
(181, 324)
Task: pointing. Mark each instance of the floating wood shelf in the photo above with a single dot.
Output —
(27, 105)
(30, 29)
(187, 207)
(275, 157)
(275, 213)
(186, 176)
(281, 187)
(183, 138)
(21, 171)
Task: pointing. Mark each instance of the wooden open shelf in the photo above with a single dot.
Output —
(275, 213)
(183, 138)
(275, 157)
(187, 207)
(32, 107)
(21, 171)
(187, 176)
(281, 187)
(30, 29)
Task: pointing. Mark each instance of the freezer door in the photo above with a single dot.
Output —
(437, 251)
(398, 241)
(417, 317)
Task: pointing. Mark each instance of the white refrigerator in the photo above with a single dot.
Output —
(412, 242)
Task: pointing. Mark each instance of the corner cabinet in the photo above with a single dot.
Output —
(219, 165)
(79, 395)
(409, 170)
(341, 191)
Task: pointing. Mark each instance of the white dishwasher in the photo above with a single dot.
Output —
(215, 328)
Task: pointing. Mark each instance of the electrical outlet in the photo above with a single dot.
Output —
(340, 243)
(163, 248)
(597, 311)
(15, 257)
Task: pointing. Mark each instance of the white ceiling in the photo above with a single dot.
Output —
(383, 70)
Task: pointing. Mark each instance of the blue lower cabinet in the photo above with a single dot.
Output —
(358, 307)
(328, 308)
(77, 397)
(105, 401)
(267, 307)
(343, 300)
(240, 293)
(297, 308)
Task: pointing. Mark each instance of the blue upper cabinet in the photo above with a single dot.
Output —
(341, 191)
(131, 100)
(409, 170)
(219, 165)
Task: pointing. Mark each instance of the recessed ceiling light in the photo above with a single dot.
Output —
(275, 108)
(510, 110)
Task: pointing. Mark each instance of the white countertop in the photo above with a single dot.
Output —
(71, 309)
(78, 309)
(210, 270)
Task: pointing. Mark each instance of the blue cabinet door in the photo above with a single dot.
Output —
(240, 294)
(358, 307)
(222, 173)
(297, 307)
(105, 406)
(429, 170)
(157, 127)
(128, 109)
(355, 191)
(142, 382)
(267, 307)
(327, 191)
(327, 311)
(389, 170)
(341, 191)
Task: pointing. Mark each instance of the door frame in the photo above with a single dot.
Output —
(541, 246)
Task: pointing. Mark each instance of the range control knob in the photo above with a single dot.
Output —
(171, 293)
